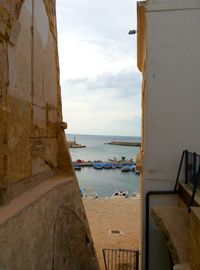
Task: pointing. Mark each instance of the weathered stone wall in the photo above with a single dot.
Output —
(31, 129)
(42, 219)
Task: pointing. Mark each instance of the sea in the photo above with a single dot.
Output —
(105, 182)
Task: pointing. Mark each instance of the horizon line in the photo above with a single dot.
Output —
(110, 135)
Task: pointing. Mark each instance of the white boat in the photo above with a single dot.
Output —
(125, 168)
(120, 194)
(133, 168)
(89, 193)
(137, 171)
(135, 195)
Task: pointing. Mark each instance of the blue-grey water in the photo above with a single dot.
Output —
(105, 182)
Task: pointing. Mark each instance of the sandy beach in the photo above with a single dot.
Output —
(109, 214)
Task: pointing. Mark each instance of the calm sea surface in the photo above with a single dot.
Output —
(105, 182)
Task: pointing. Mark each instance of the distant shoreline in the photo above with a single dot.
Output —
(137, 144)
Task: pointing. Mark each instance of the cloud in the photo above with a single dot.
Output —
(124, 83)
(109, 19)
(100, 82)
(93, 36)
(110, 103)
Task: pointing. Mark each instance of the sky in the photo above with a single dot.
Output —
(100, 82)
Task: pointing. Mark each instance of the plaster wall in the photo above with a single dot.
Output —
(171, 64)
(172, 96)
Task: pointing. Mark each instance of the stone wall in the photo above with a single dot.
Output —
(42, 219)
(31, 130)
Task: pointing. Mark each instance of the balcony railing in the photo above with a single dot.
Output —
(121, 259)
(190, 161)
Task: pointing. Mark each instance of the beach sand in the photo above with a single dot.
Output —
(113, 214)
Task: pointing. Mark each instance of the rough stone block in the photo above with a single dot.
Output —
(3, 27)
(14, 32)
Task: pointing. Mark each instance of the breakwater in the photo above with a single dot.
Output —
(136, 144)
(73, 144)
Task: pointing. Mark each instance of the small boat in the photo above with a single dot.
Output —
(118, 166)
(125, 168)
(137, 171)
(120, 194)
(113, 160)
(77, 167)
(135, 195)
(98, 166)
(79, 161)
(113, 166)
(107, 166)
(89, 193)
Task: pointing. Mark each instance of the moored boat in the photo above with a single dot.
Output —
(125, 168)
(137, 171)
(107, 166)
(118, 166)
(120, 194)
(77, 167)
(98, 166)
(113, 160)
(135, 195)
(90, 193)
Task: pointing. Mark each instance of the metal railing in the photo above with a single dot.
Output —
(192, 164)
(191, 161)
(121, 259)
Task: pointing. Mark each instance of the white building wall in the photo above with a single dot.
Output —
(172, 106)
(173, 95)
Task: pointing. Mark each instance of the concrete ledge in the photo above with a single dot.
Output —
(194, 235)
(183, 266)
(29, 197)
(175, 224)
(46, 228)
